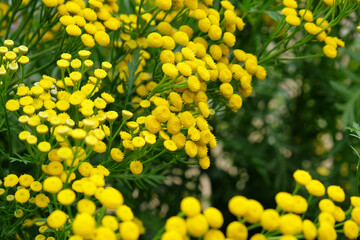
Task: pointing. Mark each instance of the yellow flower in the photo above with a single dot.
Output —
(50, 3)
(309, 229)
(36, 186)
(168, 235)
(162, 113)
(136, 167)
(326, 205)
(138, 142)
(351, 229)
(270, 219)
(254, 211)
(11, 180)
(176, 224)
(57, 219)
(190, 206)
(86, 206)
(117, 155)
(197, 225)
(129, 230)
(326, 232)
(84, 225)
(315, 188)
(66, 197)
(235, 102)
(330, 51)
(290, 3)
(12, 105)
(155, 40)
(170, 70)
(236, 230)
(163, 4)
(184, 69)
(215, 33)
(168, 43)
(78, 134)
(191, 4)
(170, 145)
(181, 38)
(152, 124)
(22, 195)
(52, 184)
(111, 115)
(229, 39)
(214, 217)
(111, 198)
(306, 14)
(329, 2)
(290, 224)
(44, 147)
(336, 193)
(285, 201)
(73, 30)
(293, 20)
(124, 213)
(191, 149)
(102, 38)
(25, 180)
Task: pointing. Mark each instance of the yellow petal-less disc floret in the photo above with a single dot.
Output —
(57, 219)
(190, 206)
(111, 198)
(336, 193)
(66, 196)
(22, 195)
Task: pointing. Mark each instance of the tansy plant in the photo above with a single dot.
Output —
(112, 96)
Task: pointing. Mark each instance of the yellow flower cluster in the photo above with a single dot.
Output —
(314, 25)
(46, 107)
(83, 195)
(91, 21)
(287, 221)
(11, 59)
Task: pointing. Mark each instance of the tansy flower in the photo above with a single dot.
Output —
(52, 184)
(197, 225)
(136, 167)
(102, 38)
(111, 198)
(129, 230)
(302, 177)
(236, 230)
(36, 186)
(12, 105)
(181, 38)
(84, 225)
(73, 30)
(170, 145)
(163, 4)
(124, 213)
(154, 40)
(330, 51)
(57, 219)
(315, 188)
(336, 193)
(22, 195)
(66, 197)
(41, 200)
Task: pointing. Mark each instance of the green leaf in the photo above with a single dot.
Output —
(340, 89)
(274, 15)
